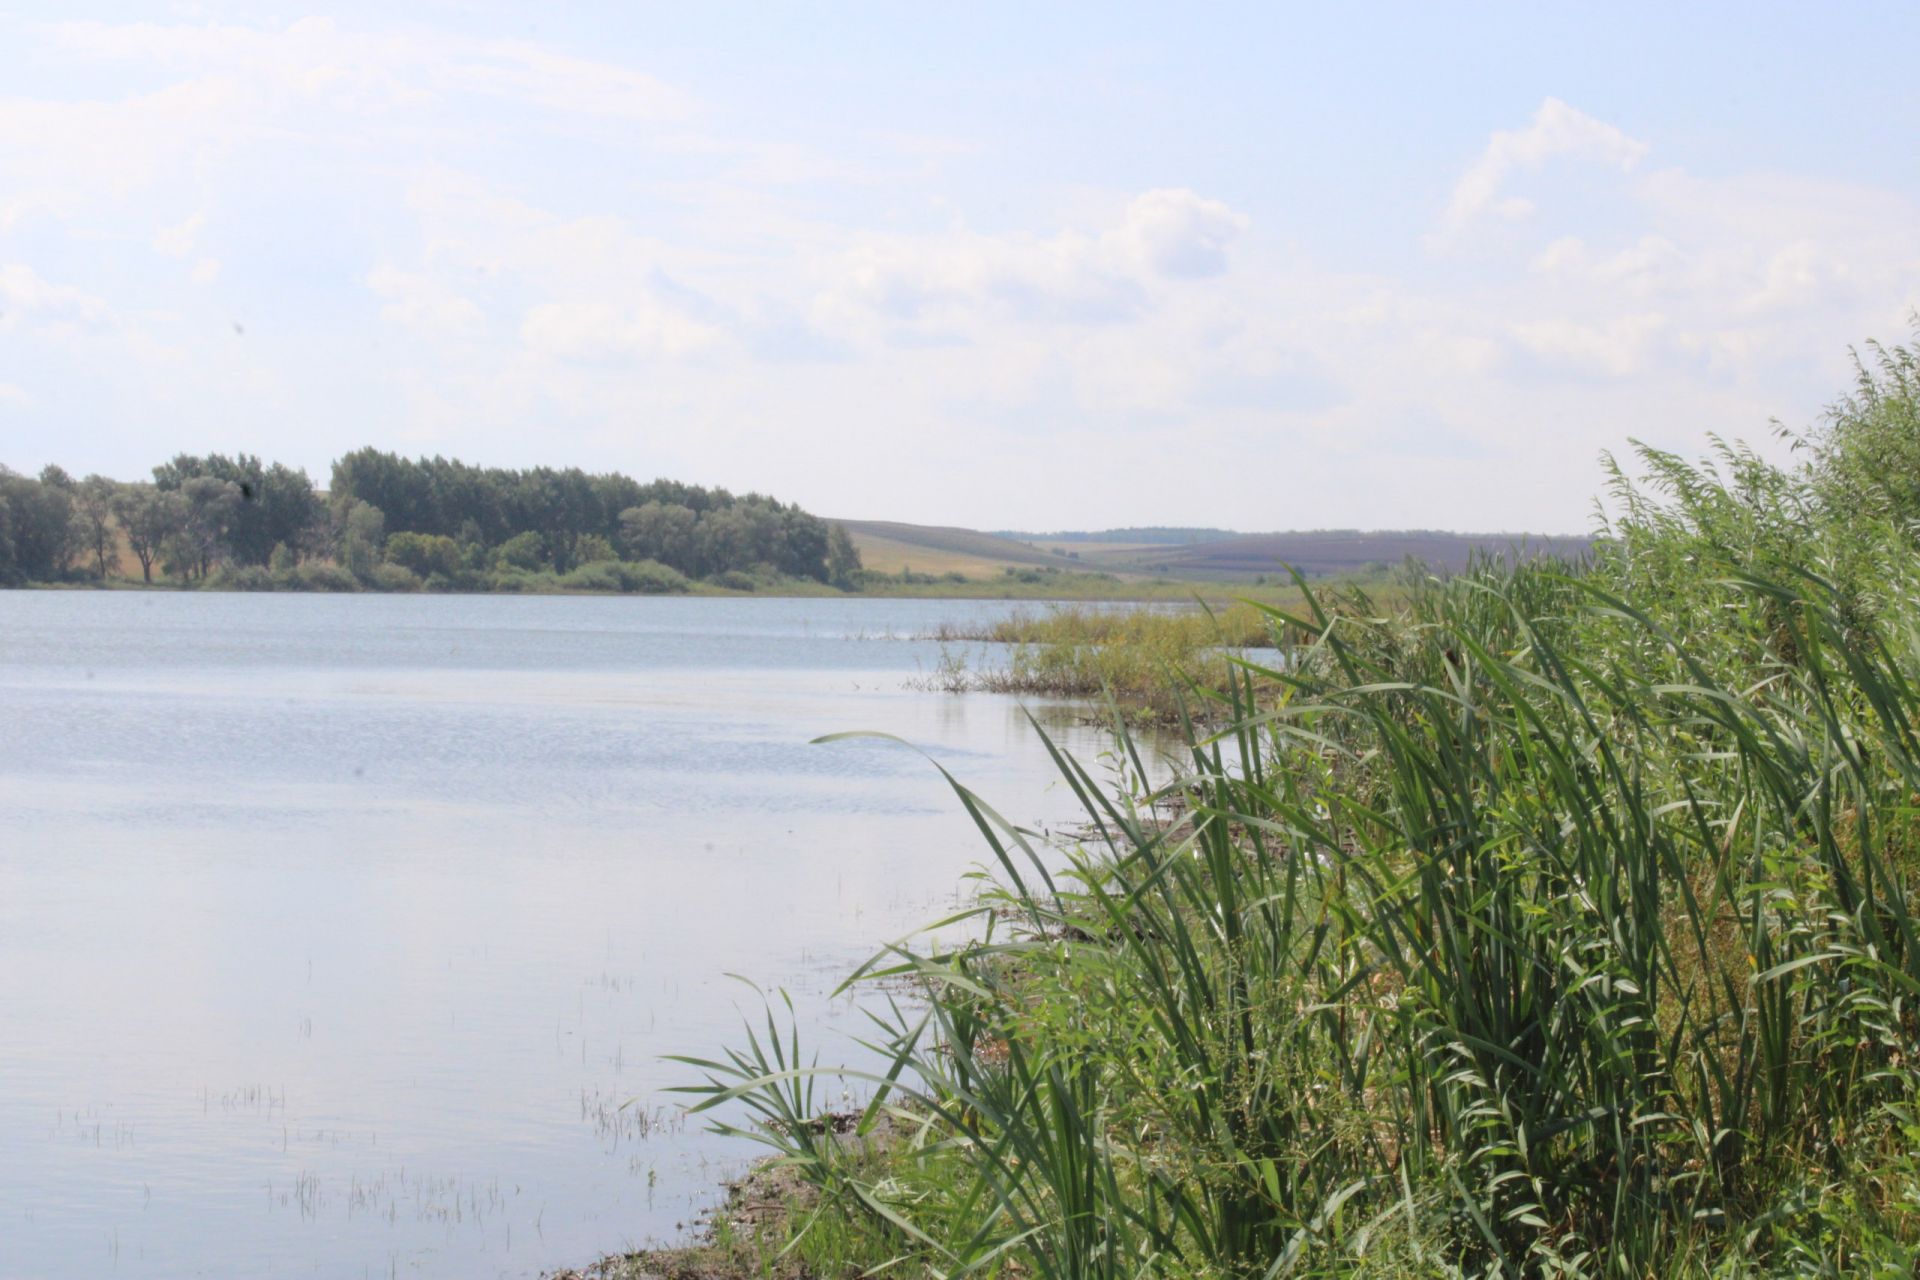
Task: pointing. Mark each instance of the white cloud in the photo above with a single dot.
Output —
(315, 57)
(1557, 130)
(947, 284)
(1176, 233)
(415, 300)
(13, 397)
(1616, 348)
(205, 271)
(177, 240)
(599, 331)
(28, 299)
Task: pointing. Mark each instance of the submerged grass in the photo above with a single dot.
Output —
(1559, 921)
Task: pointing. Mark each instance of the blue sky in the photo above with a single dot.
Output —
(1263, 266)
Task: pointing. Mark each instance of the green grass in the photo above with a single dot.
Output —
(1139, 659)
(1556, 920)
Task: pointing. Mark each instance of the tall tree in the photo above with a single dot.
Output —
(662, 531)
(93, 517)
(277, 504)
(208, 512)
(40, 532)
(843, 558)
(363, 531)
(151, 517)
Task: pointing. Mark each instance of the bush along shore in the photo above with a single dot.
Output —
(1558, 920)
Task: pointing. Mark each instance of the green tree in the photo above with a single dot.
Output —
(93, 518)
(276, 504)
(209, 508)
(523, 551)
(424, 553)
(363, 533)
(843, 558)
(594, 548)
(662, 531)
(40, 525)
(151, 517)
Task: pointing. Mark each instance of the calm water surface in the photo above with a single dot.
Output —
(335, 930)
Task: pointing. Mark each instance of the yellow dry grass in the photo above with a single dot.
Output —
(885, 555)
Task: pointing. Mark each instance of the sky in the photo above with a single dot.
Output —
(1037, 266)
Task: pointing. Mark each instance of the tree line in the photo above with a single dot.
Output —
(388, 522)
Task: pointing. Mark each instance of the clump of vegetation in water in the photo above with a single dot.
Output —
(1146, 660)
(1560, 921)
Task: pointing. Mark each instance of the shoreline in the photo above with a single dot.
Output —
(1155, 591)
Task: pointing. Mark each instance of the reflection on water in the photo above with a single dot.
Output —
(335, 931)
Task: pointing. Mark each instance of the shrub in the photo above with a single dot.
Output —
(602, 575)
(248, 577)
(646, 577)
(393, 577)
(734, 580)
(318, 575)
(521, 582)
(593, 548)
(650, 577)
(424, 553)
(525, 551)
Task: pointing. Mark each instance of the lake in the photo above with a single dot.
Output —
(335, 931)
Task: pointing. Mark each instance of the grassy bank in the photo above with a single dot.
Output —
(1558, 920)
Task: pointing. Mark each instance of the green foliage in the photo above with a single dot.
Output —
(1868, 458)
(843, 558)
(643, 576)
(522, 582)
(38, 532)
(318, 575)
(393, 577)
(271, 505)
(1559, 921)
(362, 537)
(93, 520)
(1143, 658)
(453, 526)
(662, 531)
(526, 551)
(149, 517)
(425, 554)
(208, 511)
(693, 530)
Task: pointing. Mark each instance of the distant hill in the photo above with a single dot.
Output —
(1151, 535)
(1191, 553)
(1330, 553)
(890, 546)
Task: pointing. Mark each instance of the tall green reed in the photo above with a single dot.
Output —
(1559, 921)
